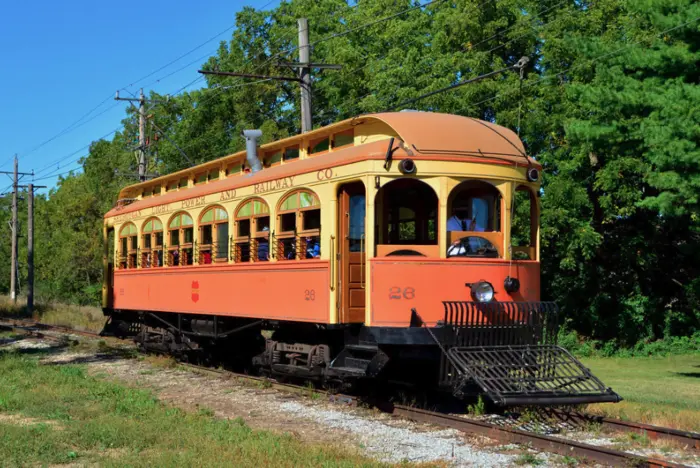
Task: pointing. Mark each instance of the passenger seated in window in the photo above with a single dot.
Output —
(264, 248)
(313, 249)
(206, 258)
(176, 258)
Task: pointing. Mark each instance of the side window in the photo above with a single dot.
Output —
(252, 232)
(128, 246)
(181, 238)
(299, 224)
(213, 236)
(523, 231)
(152, 244)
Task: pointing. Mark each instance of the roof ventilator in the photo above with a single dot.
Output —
(251, 149)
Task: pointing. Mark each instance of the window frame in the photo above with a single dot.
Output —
(182, 246)
(350, 132)
(147, 252)
(129, 259)
(212, 247)
(254, 236)
(298, 234)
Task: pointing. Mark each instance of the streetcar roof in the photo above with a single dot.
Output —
(423, 133)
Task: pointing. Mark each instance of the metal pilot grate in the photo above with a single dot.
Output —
(509, 350)
(514, 375)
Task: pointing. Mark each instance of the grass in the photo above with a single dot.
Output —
(51, 414)
(67, 315)
(527, 459)
(663, 391)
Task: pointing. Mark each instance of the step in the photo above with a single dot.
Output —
(368, 348)
(347, 370)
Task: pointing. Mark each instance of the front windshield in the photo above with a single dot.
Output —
(472, 246)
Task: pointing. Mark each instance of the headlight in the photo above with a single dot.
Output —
(482, 291)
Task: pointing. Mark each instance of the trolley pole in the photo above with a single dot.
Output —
(305, 75)
(13, 274)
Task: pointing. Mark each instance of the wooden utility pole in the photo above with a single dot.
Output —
(30, 249)
(30, 246)
(13, 274)
(303, 77)
(142, 130)
(14, 228)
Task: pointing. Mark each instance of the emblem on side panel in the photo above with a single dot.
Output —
(195, 291)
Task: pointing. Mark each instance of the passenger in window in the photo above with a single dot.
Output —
(176, 258)
(313, 249)
(264, 247)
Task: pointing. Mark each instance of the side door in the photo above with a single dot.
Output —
(351, 229)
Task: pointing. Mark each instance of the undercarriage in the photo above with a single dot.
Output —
(506, 352)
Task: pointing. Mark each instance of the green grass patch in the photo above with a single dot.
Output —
(51, 313)
(58, 414)
(663, 391)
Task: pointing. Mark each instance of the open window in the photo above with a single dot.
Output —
(524, 223)
(406, 219)
(299, 226)
(181, 240)
(128, 246)
(252, 232)
(474, 222)
(213, 236)
(152, 244)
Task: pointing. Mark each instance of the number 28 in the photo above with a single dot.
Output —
(395, 292)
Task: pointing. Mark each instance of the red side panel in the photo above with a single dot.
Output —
(398, 285)
(285, 291)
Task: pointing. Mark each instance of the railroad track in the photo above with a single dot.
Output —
(546, 443)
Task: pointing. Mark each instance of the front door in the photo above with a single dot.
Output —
(351, 216)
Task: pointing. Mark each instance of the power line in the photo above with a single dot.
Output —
(58, 161)
(50, 176)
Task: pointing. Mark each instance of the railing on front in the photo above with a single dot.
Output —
(500, 323)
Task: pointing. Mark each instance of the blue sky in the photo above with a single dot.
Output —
(62, 59)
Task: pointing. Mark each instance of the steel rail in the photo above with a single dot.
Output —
(566, 447)
(561, 446)
(686, 438)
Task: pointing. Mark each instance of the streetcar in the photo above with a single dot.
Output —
(398, 246)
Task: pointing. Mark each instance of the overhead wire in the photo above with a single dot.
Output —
(75, 125)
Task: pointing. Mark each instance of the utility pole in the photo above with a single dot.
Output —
(142, 130)
(304, 66)
(13, 275)
(30, 250)
(13, 264)
(304, 74)
(30, 246)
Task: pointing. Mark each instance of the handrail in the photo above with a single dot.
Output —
(363, 255)
(333, 260)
